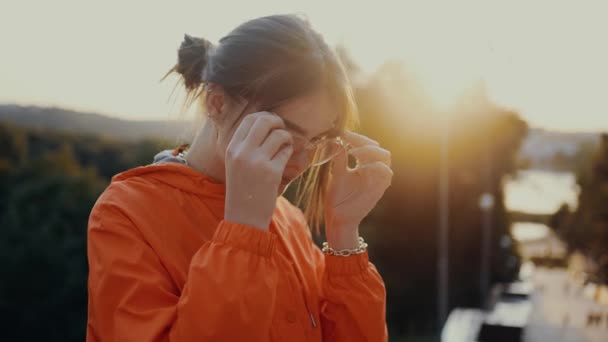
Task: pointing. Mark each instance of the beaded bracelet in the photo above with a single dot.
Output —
(345, 252)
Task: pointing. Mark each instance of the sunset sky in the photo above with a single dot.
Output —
(546, 59)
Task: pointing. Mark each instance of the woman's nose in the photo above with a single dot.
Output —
(300, 160)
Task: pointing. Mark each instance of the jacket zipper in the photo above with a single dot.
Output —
(312, 319)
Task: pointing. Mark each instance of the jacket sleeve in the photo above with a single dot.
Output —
(353, 304)
(229, 294)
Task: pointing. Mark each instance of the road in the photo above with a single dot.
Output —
(560, 311)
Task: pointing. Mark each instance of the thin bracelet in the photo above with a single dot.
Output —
(345, 252)
(182, 157)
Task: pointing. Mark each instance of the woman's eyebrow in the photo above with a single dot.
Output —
(294, 127)
(302, 131)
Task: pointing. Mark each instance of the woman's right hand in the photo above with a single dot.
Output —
(255, 160)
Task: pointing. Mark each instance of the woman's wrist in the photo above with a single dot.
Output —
(343, 236)
(237, 216)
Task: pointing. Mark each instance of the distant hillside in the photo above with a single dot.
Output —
(91, 123)
(543, 149)
(557, 150)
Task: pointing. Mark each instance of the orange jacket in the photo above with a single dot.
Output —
(165, 266)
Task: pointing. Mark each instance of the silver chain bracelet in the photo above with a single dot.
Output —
(345, 252)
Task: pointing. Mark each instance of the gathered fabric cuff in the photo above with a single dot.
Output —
(346, 266)
(245, 237)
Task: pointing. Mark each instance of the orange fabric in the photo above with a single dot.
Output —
(165, 266)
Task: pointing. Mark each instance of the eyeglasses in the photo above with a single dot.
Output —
(319, 151)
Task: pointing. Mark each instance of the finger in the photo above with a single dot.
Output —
(340, 163)
(264, 123)
(376, 171)
(275, 140)
(246, 122)
(371, 153)
(243, 129)
(282, 157)
(356, 139)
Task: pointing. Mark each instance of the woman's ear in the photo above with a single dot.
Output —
(215, 101)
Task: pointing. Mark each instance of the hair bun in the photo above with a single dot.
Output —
(193, 54)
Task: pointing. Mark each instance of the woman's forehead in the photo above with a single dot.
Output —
(315, 112)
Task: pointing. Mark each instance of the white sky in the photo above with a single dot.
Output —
(547, 59)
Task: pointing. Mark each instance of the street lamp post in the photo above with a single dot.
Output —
(486, 203)
(442, 236)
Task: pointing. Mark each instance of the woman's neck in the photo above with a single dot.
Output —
(203, 154)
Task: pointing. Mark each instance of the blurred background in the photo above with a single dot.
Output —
(495, 227)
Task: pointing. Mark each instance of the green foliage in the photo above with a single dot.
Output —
(48, 185)
(586, 229)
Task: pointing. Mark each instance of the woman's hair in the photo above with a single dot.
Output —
(268, 60)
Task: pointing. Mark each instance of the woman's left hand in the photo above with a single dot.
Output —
(353, 193)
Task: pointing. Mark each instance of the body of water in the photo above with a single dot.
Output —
(538, 192)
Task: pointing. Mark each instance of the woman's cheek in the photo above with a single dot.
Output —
(299, 162)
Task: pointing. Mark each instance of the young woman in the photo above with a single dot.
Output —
(206, 248)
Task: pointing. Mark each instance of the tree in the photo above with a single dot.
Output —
(48, 185)
(402, 229)
(587, 229)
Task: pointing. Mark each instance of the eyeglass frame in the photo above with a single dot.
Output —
(308, 146)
